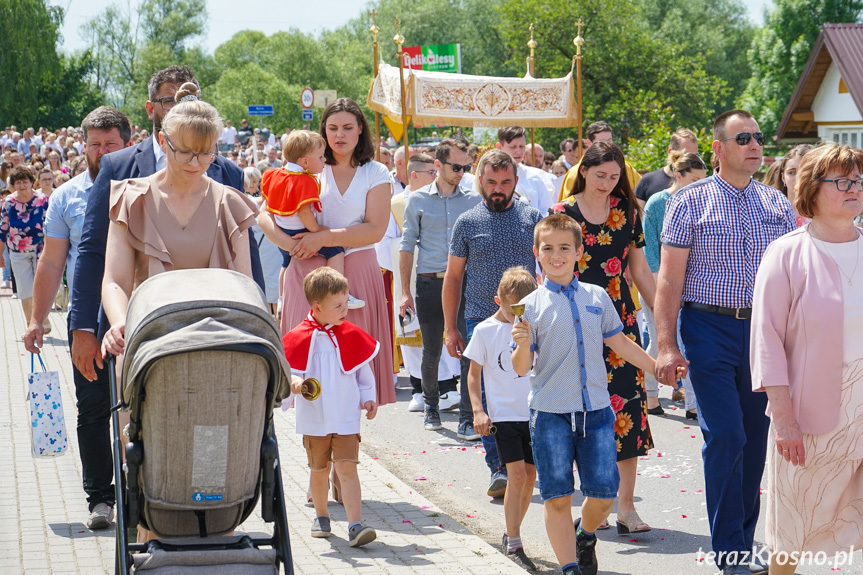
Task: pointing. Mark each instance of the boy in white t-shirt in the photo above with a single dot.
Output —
(506, 393)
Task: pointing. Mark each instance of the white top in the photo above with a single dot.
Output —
(468, 182)
(505, 392)
(229, 135)
(349, 209)
(533, 190)
(847, 256)
(339, 407)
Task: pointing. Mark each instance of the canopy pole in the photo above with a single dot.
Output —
(531, 69)
(374, 30)
(579, 42)
(399, 40)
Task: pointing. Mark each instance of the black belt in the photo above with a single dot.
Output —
(735, 312)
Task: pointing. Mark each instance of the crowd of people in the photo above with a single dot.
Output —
(516, 286)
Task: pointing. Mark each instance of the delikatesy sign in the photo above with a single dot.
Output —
(438, 58)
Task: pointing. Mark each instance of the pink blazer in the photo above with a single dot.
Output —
(797, 321)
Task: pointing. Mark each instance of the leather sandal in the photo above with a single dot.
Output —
(629, 523)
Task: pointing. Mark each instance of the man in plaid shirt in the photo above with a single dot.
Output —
(714, 235)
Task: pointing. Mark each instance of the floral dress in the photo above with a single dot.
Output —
(604, 263)
(21, 224)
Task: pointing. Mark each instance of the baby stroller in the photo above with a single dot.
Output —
(204, 366)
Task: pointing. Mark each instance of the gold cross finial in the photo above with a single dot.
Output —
(579, 25)
(374, 27)
(531, 43)
(398, 38)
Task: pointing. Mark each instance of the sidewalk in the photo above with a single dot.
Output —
(43, 507)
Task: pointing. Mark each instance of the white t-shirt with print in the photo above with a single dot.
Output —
(505, 392)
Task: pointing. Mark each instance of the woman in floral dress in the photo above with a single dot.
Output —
(22, 214)
(603, 203)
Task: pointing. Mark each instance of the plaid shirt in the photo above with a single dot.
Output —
(726, 231)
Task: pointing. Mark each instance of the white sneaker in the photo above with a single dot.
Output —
(417, 403)
(449, 401)
(354, 303)
(100, 517)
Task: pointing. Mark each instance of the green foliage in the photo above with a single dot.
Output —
(68, 97)
(129, 46)
(626, 65)
(780, 50)
(650, 151)
(28, 60)
(239, 87)
(717, 30)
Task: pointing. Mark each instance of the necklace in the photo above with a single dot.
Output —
(856, 259)
(587, 214)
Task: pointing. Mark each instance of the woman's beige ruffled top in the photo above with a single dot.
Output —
(209, 240)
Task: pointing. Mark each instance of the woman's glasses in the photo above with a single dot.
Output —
(844, 184)
(186, 157)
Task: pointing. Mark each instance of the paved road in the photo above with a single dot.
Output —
(669, 492)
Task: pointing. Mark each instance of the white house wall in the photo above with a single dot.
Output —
(831, 106)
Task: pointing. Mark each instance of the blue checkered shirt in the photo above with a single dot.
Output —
(567, 327)
(726, 231)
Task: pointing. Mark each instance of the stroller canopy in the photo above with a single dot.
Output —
(199, 309)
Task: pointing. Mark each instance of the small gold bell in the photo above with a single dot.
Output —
(311, 389)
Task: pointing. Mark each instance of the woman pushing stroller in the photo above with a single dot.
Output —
(178, 218)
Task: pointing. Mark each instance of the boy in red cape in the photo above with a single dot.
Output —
(336, 353)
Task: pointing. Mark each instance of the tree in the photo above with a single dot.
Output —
(718, 30)
(627, 67)
(66, 98)
(28, 60)
(237, 88)
(780, 50)
(129, 45)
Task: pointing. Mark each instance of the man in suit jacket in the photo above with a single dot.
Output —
(86, 320)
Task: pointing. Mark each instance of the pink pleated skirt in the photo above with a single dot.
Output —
(364, 274)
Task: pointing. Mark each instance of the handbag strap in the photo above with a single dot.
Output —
(32, 362)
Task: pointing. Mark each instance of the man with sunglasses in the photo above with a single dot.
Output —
(430, 214)
(714, 236)
(86, 320)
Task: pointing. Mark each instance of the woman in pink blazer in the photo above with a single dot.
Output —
(807, 355)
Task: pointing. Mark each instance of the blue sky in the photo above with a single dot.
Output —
(230, 16)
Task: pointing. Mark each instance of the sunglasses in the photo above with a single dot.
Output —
(457, 167)
(743, 138)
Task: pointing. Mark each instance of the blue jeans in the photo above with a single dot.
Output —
(732, 422)
(587, 438)
(492, 459)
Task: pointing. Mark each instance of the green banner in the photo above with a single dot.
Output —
(437, 58)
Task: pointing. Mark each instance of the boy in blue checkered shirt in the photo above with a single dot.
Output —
(565, 325)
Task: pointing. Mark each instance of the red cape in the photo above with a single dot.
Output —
(286, 192)
(356, 348)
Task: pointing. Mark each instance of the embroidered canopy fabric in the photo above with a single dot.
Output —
(462, 100)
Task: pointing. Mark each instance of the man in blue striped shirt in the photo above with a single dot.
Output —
(715, 233)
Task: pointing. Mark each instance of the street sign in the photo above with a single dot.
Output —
(308, 116)
(307, 98)
(324, 97)
(260, 110)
